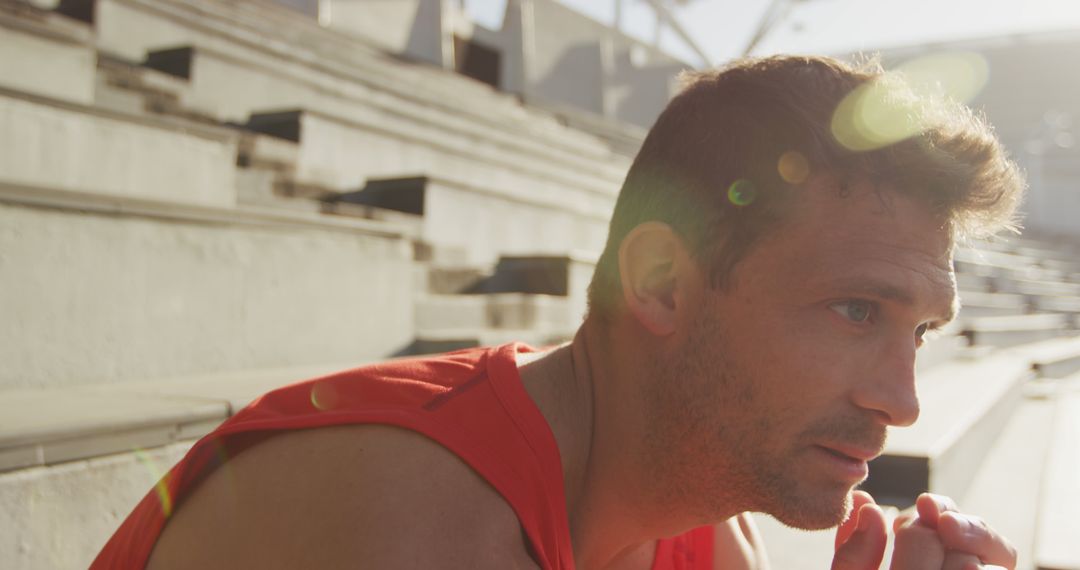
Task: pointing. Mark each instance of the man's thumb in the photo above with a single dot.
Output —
(866, 547)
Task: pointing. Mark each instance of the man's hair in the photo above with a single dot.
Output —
(720, 164)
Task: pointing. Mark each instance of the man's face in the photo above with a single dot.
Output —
(778, 390)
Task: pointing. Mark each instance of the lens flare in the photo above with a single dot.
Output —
(907, 101)
(877, 114)
(161, 488)
(742, 192)
(793, 167)
(959, 76)
(324, 396)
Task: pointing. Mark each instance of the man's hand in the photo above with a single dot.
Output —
(968, 540)
(860, 540)
(936, 536)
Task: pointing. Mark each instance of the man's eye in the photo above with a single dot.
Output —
(854, 311)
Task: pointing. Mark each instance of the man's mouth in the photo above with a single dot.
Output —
(851, 452)
(846, 462)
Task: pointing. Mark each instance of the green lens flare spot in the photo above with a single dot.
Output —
(742, 192)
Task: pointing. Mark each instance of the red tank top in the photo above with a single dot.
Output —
(472, 402)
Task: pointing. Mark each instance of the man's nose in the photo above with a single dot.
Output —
(889, 389)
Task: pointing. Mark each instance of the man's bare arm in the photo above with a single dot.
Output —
(350, 496)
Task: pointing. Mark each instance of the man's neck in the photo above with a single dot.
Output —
(569, 386)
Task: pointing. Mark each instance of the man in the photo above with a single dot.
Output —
(776, 255)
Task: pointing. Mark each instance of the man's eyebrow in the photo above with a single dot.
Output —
(889, 292)
(874, 288)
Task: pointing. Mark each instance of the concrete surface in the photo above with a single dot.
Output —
(1006, 487)
(342, 152)
(51, 56)
(74, 147)
(105, 298)
(940, 452)
(1013, 330)
(496, 310)
(510, 220)
(1057, 544)
(58, 518)
(60, 426)
(273, 61)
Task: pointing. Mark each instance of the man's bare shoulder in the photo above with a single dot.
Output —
(377, 496)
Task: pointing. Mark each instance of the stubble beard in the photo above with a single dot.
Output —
(707, 451)
(700, 454)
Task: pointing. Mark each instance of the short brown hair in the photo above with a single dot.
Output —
(709, 166)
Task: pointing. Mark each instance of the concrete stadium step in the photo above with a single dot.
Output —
(489, 222)
(254, 36)
(971, 282)
(133, 28)
(344, 153)
(1059, 254)
(55, 144)
(1030, 287)
(133, 88)
(964, 406)
(1016, 329)
(454, 280)
(157, 272)
(227, 88)
(45, 54)
(497, 311)
(47, 427)
(259, 38)
(1056, 304)
(565, 276)
(1008, 265)
(1005, 490)
(1057, 359)
(271, 27)
(947, 346)
(1027, 272)
(562, 275)
(1056, 545)
(980, 304)
(1063, 257)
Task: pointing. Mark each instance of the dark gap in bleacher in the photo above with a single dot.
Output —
(478, 61)
(174, 61)
(398, 194)
(279, 124)
(82, 10)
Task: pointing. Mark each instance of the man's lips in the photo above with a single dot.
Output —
(849, 451)
(845, 461)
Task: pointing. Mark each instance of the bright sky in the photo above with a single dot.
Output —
(723, 27)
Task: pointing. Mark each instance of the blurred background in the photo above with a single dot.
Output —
(202, 200)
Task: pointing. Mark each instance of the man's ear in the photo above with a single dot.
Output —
(651, 258)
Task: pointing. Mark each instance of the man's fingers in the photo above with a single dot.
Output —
(865, 547)
(903, 519)
(971, 534)
(846, 528)
(931, 506)
(917, 548)
(955, 560)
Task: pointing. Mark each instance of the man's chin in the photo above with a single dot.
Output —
(814, 512)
